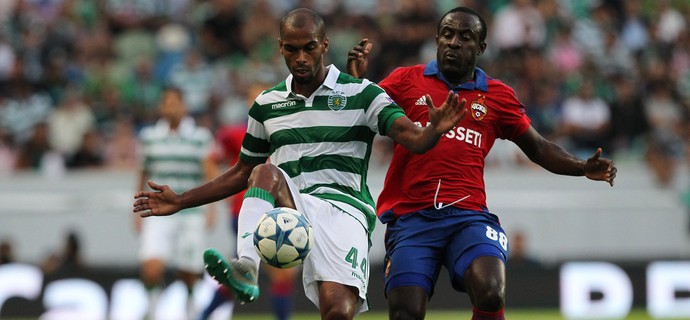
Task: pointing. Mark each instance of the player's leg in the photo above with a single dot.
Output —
(154, 251)
(335, 274)
(222, 294)
(414, 250)
(485, 284)
(151, 274)
(477, 257)
(267, 188)
(189, 245)
(408, 302)
(282, 289)
(337, 301)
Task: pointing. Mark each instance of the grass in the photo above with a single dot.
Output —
(528, 314)
(550, 314)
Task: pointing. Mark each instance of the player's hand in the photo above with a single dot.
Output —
(600, 169)
(358, 59)
(448, 114)
(160, 202)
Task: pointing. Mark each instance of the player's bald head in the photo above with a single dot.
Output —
(302, 18)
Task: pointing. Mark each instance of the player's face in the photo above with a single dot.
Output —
(303, 52)
(458, 45)
(172, 107)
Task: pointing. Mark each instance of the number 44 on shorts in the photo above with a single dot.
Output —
(494, 235)
(352, 259)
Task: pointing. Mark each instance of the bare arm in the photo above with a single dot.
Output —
(554, 159)
(164, 201)
(443, 118)
(210, 171)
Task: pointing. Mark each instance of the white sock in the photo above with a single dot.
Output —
(250, 213)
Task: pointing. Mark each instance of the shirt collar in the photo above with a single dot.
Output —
(479, 82)
(186, 126)
(332, 74)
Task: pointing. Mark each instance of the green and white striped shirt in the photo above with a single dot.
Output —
(175, 158)
(324, 141)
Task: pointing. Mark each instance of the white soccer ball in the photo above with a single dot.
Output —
(283, 238)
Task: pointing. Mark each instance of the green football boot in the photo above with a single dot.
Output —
(239, 275)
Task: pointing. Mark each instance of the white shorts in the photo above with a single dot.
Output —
(177, 240)
(341, 247)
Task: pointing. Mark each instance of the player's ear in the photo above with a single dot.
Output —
(280, 45)
(325, 44)
(482, 48)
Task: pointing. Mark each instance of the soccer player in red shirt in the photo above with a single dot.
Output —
(434, 204)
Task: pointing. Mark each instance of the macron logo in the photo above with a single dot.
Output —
(279, 105)
(421, 101)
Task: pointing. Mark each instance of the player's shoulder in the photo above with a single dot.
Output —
(148, 132)
(273, 94)
(408, 71)
(499, 89)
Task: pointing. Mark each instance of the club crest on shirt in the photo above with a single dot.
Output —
(478, 108)
(337, 100)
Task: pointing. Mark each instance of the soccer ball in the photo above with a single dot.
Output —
(283, 238)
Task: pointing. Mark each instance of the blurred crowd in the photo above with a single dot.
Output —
(80, 78)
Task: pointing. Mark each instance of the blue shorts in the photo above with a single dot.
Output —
(418, 244)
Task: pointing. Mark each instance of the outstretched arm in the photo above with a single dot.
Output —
(163, 201)
(443, 118)
(553, 158)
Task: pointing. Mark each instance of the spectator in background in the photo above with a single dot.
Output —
(24, 108)
(177, 151)
(8, 152)
(519, 257)
(33, 152)
(90, 153)
(518, 25)
(141, 90)
(7, 58)
(585, 120)
(6, 252)
(67, 261)
(121, 147)
(670, 23)
(195, 78)
(666, 139)
(616, 57)
(69, 122)
(634, 32)
(221, 32)
(629, 122)
(564, 52)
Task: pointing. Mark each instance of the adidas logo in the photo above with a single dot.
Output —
(421, 101)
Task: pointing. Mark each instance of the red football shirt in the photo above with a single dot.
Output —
(229, 140)
(454, 169)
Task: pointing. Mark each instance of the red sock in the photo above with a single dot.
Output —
(282, 288)
(485, 315)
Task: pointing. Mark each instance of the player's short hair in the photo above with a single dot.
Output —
(482, 33)
(174, 89)
(300, 17)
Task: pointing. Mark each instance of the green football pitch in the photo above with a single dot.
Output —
(446, 315)
(432, 315)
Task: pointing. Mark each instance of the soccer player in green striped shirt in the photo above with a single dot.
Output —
(316, 128)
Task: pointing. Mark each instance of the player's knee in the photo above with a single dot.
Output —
(407, 312)
(489, 296)
(265, 176)
(338, 311)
